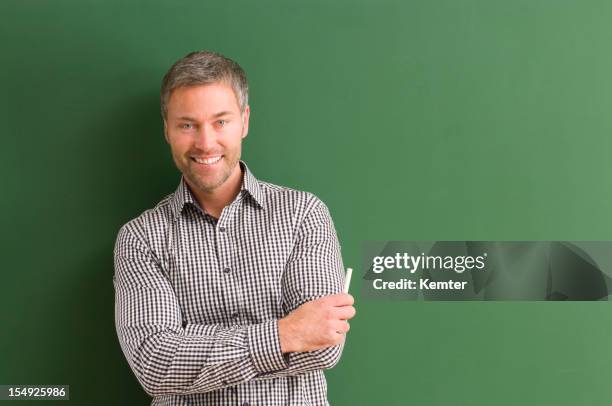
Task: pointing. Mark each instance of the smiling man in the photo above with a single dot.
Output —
(228, 291)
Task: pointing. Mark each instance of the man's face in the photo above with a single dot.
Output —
(204, 127)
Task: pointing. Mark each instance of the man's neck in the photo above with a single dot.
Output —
(213, 202)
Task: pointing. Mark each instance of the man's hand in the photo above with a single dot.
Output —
(316, 324)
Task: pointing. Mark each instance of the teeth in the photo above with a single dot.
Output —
(207, 161)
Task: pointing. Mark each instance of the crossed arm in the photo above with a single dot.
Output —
(168, 357)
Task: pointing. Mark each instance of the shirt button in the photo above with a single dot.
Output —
(226, 270)
(235, 315)
(245, 403)
(224, 382)
(222, 229)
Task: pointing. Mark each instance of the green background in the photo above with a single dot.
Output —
(412, 120)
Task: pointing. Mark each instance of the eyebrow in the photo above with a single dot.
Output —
(222, 113)
(216, 115)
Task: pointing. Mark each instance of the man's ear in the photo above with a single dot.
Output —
(166, 131)
(245, 121)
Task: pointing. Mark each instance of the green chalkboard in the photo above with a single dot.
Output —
(411, 120)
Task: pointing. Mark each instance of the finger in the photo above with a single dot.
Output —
(341, 299)
(344, 312)
(342, 327)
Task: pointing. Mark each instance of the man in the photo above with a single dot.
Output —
(228, 290)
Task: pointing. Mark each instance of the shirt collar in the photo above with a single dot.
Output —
(250, 186)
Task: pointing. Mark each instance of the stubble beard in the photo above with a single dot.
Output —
(209, 186)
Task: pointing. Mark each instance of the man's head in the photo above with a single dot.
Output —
(204, 104)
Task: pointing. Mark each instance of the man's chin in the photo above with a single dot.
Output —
(205, 185)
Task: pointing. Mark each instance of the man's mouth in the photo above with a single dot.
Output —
(207, 161)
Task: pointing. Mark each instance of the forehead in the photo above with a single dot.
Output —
(202, 99)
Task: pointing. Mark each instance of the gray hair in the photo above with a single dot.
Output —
(203, 68)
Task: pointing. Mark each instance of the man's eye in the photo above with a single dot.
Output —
(186, 126)
(222, 122)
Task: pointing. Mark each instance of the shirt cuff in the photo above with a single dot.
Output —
(264, 344)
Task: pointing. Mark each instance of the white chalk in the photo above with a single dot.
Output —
(347, 279)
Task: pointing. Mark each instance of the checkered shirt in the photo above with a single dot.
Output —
(198, 299)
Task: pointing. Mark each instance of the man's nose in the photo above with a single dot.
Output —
(205, 138)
